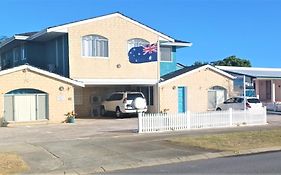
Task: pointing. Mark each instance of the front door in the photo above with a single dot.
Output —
(182, 99)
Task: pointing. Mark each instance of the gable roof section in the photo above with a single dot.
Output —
(63, 29)
(43, 72)
(87, 20)
(189, 70)
(253, 71)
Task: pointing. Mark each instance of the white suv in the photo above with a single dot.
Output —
(124, 103)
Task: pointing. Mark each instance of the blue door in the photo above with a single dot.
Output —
(181, 99)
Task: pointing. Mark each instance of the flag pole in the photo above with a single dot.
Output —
(158, 74)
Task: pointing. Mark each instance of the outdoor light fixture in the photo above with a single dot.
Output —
(61, 88)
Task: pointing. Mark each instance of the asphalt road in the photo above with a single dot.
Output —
(263, 163)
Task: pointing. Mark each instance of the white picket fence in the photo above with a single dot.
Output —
(185, 121)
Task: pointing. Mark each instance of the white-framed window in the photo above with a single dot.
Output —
(136, 42)
(94, 46)
(166, 54)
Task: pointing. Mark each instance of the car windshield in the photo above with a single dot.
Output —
(133, 96)
(253, 100)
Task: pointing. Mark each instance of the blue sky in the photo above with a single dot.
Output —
(249, 29)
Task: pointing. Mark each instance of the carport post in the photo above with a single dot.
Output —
(140, 122)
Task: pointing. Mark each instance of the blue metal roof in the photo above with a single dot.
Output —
(253, 71)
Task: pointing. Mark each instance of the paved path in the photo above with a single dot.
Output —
(99, 145)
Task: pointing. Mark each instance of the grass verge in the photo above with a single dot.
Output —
(11, 163)
(235, 141)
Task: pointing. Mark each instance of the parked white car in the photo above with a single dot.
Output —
(237, 103)
(124, 103)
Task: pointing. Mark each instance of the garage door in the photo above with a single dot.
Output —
(25, 107)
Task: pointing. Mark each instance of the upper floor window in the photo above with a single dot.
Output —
(94, 46)
(136, 42)
(166, 54)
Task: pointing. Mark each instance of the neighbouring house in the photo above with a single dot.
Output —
(264, 83)
(92, 54)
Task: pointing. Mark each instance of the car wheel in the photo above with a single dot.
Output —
(218, 109)
(118, 113)
(102, 111)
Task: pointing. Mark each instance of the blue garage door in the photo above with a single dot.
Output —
(182, 99)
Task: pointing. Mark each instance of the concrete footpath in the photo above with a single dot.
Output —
(66, 151)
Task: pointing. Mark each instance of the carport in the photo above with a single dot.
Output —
(88, 99)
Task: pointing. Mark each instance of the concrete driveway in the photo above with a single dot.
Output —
(82, 128)
(92, 145)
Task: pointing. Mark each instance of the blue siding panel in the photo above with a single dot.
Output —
(167, 67)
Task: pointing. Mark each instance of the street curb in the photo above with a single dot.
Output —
(182, 159)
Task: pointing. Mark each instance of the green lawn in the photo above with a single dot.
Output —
(233, 141)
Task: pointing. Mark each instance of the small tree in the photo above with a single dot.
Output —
(232, 61)
(199, 63)
(228, 61)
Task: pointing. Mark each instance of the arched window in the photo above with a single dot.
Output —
(216, 96)
(136, 42)
(94, 46)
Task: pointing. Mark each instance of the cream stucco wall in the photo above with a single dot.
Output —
(198, 84)
(60, 102)
(118, 31)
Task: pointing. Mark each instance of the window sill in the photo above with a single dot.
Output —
(95, 57)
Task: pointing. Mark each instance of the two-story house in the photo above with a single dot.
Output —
(94, 52)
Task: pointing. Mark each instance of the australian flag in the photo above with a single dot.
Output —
(143, 54)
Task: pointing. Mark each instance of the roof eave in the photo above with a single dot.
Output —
(44, 72)
(177, 44)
